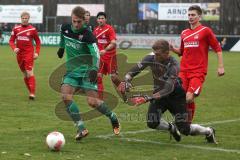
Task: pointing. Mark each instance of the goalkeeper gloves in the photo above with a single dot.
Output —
(124, 86)
(140, 99)
(60, 52)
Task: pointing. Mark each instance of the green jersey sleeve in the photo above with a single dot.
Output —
(95, 55)
(90, 39)
(62, 42)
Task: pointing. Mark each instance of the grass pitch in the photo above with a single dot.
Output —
(24, 124)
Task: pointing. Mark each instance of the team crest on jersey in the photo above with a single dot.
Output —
(28, 33)
(103, 36)
(196, 36)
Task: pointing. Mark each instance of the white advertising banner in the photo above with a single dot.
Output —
(66, 9)
(11, 13)
(176, 11)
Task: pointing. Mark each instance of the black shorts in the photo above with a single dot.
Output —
(175, 103)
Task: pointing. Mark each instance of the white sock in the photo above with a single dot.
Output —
(164, 125)
(196, 129)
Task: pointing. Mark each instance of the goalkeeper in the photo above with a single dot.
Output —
(82, 61)
(168, 94)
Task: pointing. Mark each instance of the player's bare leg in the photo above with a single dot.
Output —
(190, 105)
(73, 110)
(101, 106)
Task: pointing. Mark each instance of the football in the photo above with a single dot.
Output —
(55, 141)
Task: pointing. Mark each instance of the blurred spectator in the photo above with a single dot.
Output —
(1, 34)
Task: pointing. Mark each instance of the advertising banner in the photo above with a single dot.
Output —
(47, 39)
(66, 9)
(11, 13)
(125, 41)
(176, 11)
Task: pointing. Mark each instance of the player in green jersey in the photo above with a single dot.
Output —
(82, 60)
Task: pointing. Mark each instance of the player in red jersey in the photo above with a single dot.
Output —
(24, 34)
(106, 41)
(195, 43)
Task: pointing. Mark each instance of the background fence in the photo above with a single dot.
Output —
(123, 15)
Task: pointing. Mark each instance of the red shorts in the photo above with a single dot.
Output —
(25, 63)
(108, 65)
(192, 82)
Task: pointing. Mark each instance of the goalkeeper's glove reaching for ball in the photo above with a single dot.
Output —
(138, 100)
(124, 86)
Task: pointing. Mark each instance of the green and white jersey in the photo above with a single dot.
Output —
(81, 50)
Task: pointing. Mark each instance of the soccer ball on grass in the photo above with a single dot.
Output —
(55, 141)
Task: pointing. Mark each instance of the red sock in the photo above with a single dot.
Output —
(191, 111)
(100, 87)
(32, 84)
(26, 82)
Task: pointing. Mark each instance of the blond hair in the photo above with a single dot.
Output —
(25, 14)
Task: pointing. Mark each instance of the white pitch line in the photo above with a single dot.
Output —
(152, 130)
(128, 132)
(109, 136)
(169, 144)
(182, 145)
(221, 122)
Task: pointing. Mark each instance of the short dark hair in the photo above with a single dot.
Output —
(195, 7)
(79, 12)
(101, 14)
(161, 44)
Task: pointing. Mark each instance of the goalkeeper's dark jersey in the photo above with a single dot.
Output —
(81, 50)
(164, 74)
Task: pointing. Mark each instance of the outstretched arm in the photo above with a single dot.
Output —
(169, 79)
(135, 70)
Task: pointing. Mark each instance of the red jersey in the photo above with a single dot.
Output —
(194, 48)
(24, 36)
(105, 34)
